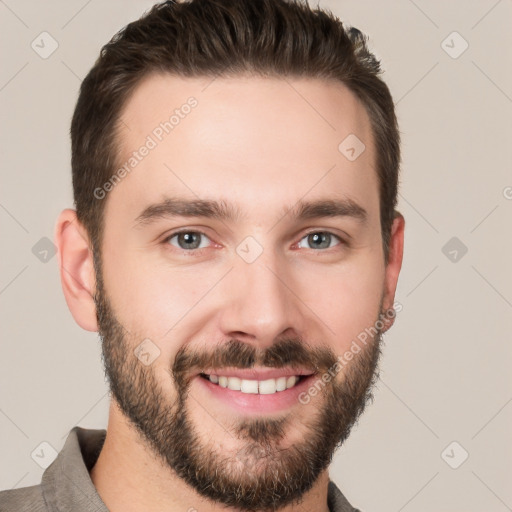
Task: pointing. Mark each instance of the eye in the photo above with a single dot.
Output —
(320, 240)
(188, 240)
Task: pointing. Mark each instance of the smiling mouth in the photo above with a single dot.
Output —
(252, 386)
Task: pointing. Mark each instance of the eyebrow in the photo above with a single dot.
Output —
(224, 211)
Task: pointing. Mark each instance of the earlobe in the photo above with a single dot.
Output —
(76, 269)
(396, 251)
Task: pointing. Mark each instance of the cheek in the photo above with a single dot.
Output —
(156, 300)
(153, 298)
(346, 299)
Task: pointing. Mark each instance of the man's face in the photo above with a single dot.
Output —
(273, 287)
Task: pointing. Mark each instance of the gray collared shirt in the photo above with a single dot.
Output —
(66, 485)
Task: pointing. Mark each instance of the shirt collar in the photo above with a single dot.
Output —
(67, 484)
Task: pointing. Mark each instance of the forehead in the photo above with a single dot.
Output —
(245, 138)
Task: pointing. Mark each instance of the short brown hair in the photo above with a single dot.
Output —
(202, 38)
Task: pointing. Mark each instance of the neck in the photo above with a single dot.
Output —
(130, 478)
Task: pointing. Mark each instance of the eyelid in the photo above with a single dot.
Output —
(342, 240)
(320, 230)
(172, 234)
(342, 235)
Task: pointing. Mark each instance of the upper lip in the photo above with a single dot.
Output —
(259, 374)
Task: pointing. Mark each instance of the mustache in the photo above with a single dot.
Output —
(285, 353)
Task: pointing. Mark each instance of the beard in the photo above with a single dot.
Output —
(261, 475)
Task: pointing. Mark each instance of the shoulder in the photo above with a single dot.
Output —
(24, 499)
(336, 500)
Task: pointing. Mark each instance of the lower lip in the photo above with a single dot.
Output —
(256, 403)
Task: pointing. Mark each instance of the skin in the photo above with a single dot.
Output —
(255, 142)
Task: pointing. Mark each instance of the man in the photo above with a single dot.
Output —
(236, 245)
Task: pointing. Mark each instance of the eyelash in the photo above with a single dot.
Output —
(167, 239)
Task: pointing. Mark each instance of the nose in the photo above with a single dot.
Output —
(258, 304)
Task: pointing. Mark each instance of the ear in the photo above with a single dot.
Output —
(396, 251)
(76, 269)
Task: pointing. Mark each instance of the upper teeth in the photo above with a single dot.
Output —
(263, 387)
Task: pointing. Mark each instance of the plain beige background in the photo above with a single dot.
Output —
(445, 390)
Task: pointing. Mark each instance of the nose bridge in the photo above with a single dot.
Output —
(257, 301)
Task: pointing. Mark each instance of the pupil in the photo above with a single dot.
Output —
(189, 239)
(320, 240)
